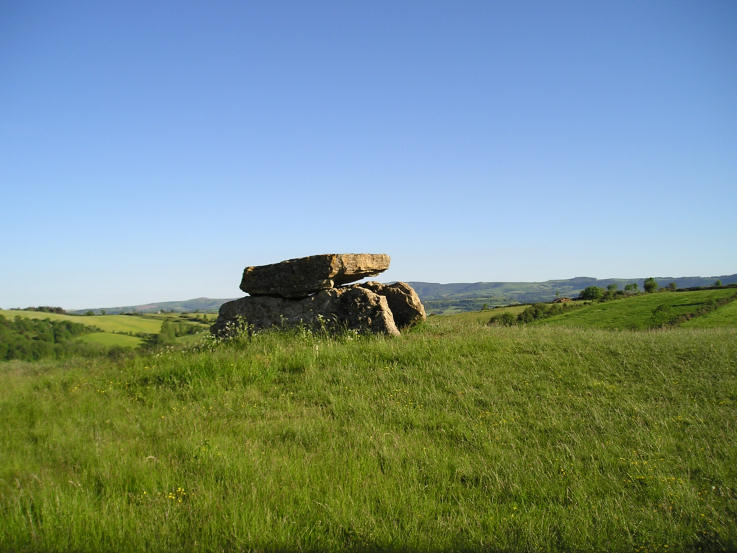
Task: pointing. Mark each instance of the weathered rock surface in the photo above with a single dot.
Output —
(302, 291)
(351, 307)
(403, 301)
(297, 278)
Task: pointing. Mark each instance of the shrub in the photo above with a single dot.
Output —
(591, 293)
(505, 319)
(533, 312)
(650, 285)
(662, 316)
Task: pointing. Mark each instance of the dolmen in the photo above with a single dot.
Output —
(313, 291)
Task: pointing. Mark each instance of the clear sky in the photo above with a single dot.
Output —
(151, 150)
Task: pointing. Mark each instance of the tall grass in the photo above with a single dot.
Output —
(453, 437)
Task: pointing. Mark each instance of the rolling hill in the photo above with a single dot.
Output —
(105, 323)
(448, 298)
(647, 311)
(102, 331)
(195, 305)
(464, 296)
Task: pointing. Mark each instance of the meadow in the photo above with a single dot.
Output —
(638, 312)
(112, 333)
(107, 323)
(455, 436)
(725, 316)
(109, 340)
(481, 316)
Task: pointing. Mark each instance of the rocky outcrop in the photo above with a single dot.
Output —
(352, 308)
(302, 292)
(403, 301)
(297, 278)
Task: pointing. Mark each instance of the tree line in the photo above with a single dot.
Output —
(31, 339)
(650, 285)
(532, 313)
(170, 330)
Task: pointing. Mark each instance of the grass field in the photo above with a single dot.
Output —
(636, 312)
(108, 339)
(455, 436)
(725, 316)
(481, 317)
(106, 323)
(126, 331)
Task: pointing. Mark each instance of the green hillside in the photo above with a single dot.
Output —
(639, 312)
(95, 334)
(106, 323)
(725, 316)
(455, 436)
(108, 339)
(31, 339)
(480, 316)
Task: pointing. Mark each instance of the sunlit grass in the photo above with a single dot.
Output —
(106, 323)
(453, 436)
(108, 339)
(725, 316)
(636, 312)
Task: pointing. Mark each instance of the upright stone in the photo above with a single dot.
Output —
(298, 278)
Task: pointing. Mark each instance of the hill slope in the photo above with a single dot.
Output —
(725, 316)
(107, 331)
(643, 311)
(107, 323)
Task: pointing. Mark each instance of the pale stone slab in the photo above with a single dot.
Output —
(298, 278)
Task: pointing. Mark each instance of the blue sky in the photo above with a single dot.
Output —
(149, 151)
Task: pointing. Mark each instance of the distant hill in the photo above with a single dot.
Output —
(453, 297)
(202, 305)
(457, 297)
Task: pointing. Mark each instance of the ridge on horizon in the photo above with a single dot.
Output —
(460, 296)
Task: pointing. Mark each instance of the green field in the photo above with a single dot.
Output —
(725, 316)
(481, 317)
(121, 331)
(455, 436)
(108, 339)
(106, 323)
(636, 312)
